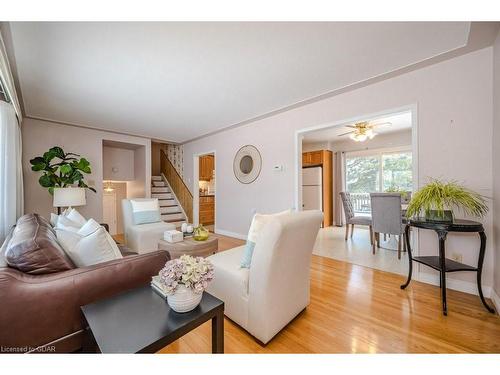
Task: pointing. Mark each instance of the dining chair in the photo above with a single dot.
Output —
(386, 218)
(352, 219)
(406, 197)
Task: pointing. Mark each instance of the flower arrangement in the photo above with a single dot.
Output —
(193, 273)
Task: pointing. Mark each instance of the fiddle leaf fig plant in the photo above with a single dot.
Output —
(61, 169)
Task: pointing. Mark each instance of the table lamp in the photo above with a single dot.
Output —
(68, 197)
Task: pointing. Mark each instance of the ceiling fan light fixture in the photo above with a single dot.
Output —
(362, 131)
(362, 137)
(359, 137)
(370, 133)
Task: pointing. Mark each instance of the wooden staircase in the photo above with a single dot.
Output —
(176, 187)
(171, 211)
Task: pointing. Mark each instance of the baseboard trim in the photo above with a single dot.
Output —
(459, 285)
(231, 234)
(496, 300)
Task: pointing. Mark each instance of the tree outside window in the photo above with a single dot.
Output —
(381, 171)
(397, 172)
(362, 174)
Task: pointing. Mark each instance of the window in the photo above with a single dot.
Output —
(377, 171)
(397, 171)
(362, 174)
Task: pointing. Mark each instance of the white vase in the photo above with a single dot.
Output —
(184, 299)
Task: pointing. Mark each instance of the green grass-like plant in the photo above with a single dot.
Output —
(438, 195)
(396, 189)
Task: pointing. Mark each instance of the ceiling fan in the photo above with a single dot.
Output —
(362, 131)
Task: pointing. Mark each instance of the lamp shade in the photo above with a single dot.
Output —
(67, 197)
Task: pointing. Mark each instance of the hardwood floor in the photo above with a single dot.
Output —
(355, 309)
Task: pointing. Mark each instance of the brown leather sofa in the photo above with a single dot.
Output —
(40, 312)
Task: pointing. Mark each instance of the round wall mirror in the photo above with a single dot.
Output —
(247, 164)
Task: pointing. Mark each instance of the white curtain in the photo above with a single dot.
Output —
(11, 174)
(8, 81)
(339, 186)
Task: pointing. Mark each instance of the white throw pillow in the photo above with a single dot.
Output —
(67, 224)
(89, 227)
(259, 221)
(86, 250)
(145, 211)
(54, 217)
(68, 240)
(144, 205)
(74, 215)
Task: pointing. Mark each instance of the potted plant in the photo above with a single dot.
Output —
(397, 189)
(61, 169)
(184, 280)
(437, 199)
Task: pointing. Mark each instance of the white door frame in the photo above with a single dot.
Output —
(299, 136)
(196, 187)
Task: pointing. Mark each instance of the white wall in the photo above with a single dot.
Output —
(118, 164)
(496, 162)
(139, 187)
(454, 100)
(39, 136)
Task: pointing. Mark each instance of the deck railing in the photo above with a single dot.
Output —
(361, 202)
(178, 186)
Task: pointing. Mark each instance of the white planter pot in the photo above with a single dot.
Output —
(184, 299)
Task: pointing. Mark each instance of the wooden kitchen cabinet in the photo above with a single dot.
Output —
(207, 166)
(323, 159)
(207, 209)
(312, 158)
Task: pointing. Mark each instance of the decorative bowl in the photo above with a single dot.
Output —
(184, 299)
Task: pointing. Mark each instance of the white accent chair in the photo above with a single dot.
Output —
(266, 297)
(142, 238)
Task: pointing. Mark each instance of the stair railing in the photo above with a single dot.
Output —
(177, 184)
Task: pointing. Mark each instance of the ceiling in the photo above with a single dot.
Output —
(399, 122)
(178, 81)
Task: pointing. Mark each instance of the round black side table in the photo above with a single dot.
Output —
(440, 262)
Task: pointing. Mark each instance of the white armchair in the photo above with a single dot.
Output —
(142, 238)
(266, 297)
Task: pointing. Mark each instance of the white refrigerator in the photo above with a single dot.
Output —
(312, 188)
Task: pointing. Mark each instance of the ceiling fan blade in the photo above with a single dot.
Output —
(340, 135)
(382, 123)
(351, 126)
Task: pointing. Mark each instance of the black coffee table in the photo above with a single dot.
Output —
(140, 321)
